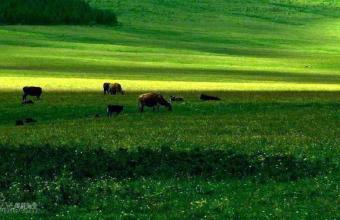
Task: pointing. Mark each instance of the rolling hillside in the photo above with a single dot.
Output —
(268, 150)
(280, 42)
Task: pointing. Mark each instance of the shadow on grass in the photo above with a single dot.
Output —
(26, 162)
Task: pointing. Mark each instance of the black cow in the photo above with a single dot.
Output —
(106, 88)
(32, 91)
(114, 108)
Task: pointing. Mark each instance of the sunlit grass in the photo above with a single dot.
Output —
(78, 84)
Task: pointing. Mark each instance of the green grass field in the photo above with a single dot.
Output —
(268, 150)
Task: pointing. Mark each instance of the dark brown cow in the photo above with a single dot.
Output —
(115, 88)
(32, 91)
(152, 100)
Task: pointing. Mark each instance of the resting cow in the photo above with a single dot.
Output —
(32, 91)
(176, 99)
(208, 97)
(152, 100)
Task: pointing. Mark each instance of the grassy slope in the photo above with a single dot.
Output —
(253, 45)
(220, 41)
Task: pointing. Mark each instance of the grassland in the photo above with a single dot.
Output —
(269, 149)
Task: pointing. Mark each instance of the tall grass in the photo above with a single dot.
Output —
(43, 12)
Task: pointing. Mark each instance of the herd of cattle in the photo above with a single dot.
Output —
(151, 99)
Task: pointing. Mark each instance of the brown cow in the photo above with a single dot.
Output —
(116, 88)
(112, 88)
(152, 100)
(32, 91)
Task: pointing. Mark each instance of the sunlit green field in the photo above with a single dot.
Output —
(274, 63)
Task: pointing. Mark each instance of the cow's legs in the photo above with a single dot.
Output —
(24, 97)
(140, 106)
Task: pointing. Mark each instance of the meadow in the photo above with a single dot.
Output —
(269, 149)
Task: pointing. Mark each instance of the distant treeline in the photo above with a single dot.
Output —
(43, 12)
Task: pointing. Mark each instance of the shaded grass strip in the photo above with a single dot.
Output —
(24, 162)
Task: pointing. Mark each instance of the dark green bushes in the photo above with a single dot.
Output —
(44, 12)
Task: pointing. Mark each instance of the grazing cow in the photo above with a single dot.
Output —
(208, 97)
(30, 120)
(27, 102)
(176, 99)
(19, 122)
(106, 87)
(152, 100)
(115, 88)
(32, 91)
(114, 108)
